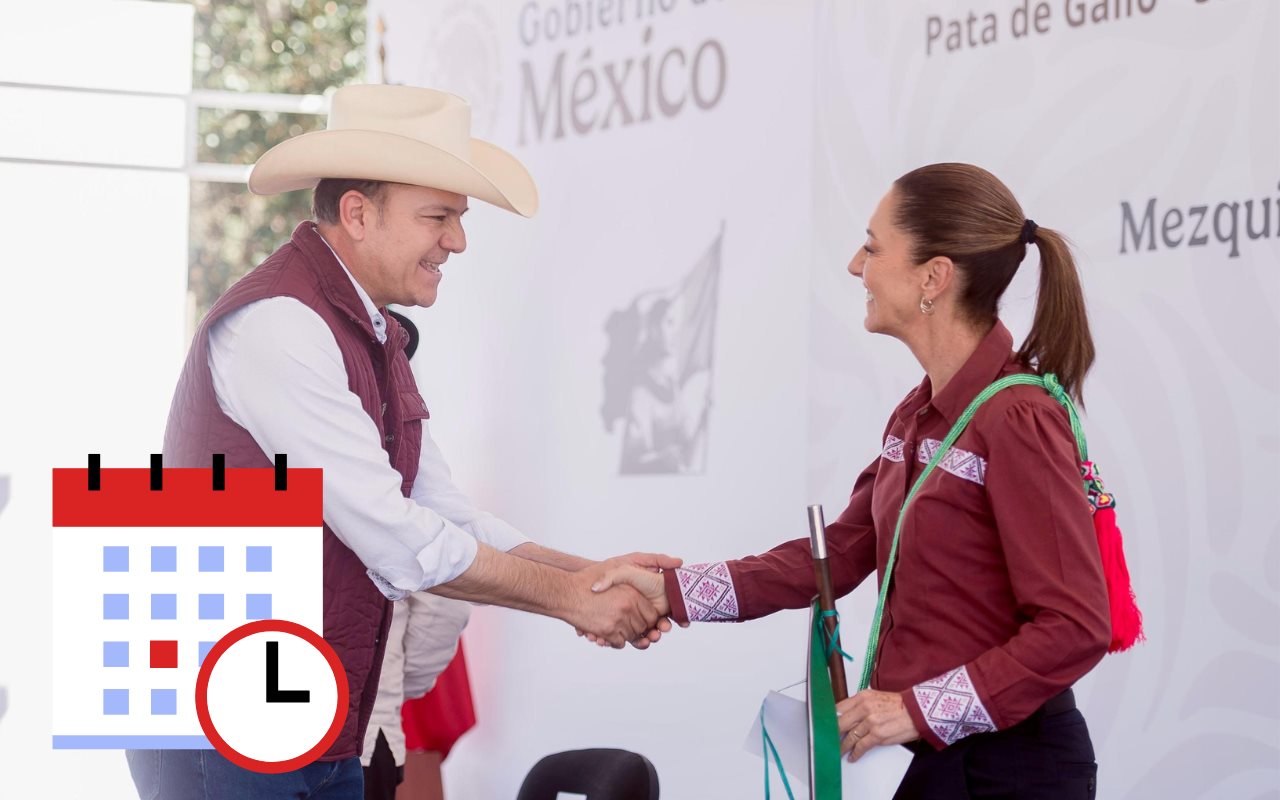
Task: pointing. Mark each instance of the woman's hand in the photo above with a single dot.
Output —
(642, 571)
(871, 719)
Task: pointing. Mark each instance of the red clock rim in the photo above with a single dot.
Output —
(202, 696)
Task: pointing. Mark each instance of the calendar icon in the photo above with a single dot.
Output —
(151, 568)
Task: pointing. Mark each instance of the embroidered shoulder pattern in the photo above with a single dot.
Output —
(961, 463)
(893, 449)
(951, 706)
(708, 592)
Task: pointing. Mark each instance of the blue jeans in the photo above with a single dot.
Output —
(206, 775)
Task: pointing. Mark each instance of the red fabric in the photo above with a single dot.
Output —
(436, 721)
(1126, 619)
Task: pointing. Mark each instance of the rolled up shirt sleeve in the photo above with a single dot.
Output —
(278, 373)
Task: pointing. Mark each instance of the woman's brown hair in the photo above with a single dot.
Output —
(966, 214)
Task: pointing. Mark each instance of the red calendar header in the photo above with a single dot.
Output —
(187, 498)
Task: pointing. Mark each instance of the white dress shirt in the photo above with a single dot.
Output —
(278, 373)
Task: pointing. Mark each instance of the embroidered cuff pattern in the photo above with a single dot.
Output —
(951, 706)
(708, 592)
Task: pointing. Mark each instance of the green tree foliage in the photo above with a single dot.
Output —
(261, 46)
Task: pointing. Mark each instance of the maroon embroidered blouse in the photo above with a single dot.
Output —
(997, 602)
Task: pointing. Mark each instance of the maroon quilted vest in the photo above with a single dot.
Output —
(356, 615)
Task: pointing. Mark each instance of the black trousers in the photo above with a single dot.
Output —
(1047, 756)
(382, 776)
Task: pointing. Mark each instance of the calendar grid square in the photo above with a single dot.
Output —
(211, 559)
(164, 606)
(115, 558)
(164, 702)
(211, 606)
(164, 654)
(257, 558)
(257, 606)
(115, 606)
(115, 702)
(115, 654)
(164, 558)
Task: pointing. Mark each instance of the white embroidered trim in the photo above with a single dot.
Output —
(961, 463)
(708, 592)
(951, 706)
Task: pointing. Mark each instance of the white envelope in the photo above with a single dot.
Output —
(787, 719)
(875, 777)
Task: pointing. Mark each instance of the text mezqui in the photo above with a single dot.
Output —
(1194, 227)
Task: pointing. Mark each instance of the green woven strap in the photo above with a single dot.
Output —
(1047, 382)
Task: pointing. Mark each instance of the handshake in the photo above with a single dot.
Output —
(623, 599)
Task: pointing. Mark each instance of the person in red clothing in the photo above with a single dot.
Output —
(998, 602)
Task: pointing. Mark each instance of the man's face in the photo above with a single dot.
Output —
(414, 230)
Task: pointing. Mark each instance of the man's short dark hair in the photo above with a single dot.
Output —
(329, 192)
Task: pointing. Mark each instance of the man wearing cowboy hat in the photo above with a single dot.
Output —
(300, 357)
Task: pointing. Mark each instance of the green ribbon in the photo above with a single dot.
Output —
(770, 750)
(824, 732)
(830, 640)
(1047, 382)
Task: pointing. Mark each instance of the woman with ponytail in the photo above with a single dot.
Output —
(994, 600)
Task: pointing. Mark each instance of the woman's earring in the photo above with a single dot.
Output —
(926, 306)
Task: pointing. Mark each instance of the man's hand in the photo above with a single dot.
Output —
(616, 617)
(621, 571)
(610, 616)
(639, 571)
(871, 719)
(654, 562)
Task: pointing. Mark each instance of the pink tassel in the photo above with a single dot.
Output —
(1126, 618)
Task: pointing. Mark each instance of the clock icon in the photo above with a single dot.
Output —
(272, 696)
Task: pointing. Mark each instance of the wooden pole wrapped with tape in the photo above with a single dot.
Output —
(827, 600)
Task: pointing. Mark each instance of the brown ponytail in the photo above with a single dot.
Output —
(1059, 341)
(966, 214)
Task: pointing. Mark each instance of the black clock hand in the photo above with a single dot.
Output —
(277, 695)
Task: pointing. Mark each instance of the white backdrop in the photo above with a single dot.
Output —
(93, 258)
(823, 105)
(512, 363)
(1179, 105)
(753, 138)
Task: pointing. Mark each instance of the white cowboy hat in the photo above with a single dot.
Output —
(402, 134)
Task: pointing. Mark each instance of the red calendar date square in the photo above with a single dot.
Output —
(164, 654)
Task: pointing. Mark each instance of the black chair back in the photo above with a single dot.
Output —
(600, 774)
